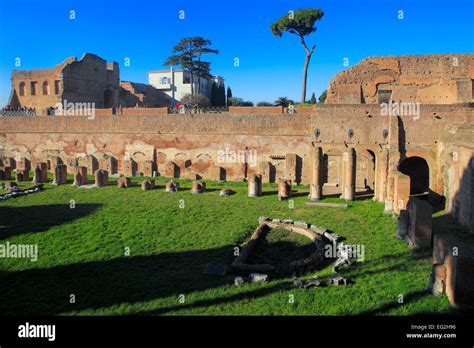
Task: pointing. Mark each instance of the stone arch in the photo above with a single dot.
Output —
(418, 170)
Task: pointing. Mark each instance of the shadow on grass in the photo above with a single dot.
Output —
(220, 300)
(384, 309)
(39, 218)
(101, 284)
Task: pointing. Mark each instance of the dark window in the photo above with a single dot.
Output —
(33, 87)
(384, 96)
(56, 87)
(22, 89)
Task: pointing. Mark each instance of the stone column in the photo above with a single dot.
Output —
(349, 174)
(381, 180)
(255, 185)
(198, 187)
(316, 187)
(284, 189)
(389, 194)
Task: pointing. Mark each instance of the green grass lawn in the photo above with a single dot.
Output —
(171, 236)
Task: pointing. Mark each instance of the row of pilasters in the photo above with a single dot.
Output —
(383, 185)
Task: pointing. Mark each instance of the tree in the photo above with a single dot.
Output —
(283, 101)
(187, 54)
(301, 24)
(239, 102)
(313, 99)
(264, 103)
(214, 94)
(221, 95)
(229, 96)
(202, 47)
(198, 99)
(322, 97)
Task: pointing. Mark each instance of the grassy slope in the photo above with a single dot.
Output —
(82, 253)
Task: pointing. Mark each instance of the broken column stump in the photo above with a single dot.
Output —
(255, 185)
(124, 182)
(284, 189)
(148, 185)
(198, 187)
(172, 186)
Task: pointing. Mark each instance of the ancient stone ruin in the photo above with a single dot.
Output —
(40, 172)
(171, 186)
(265, 227)
(147, 184)
(198, 187)
(255, 185)
(101, 178)
(124, 182)
(60, 174)
(80, 176)
(284, 189)
(453, 271)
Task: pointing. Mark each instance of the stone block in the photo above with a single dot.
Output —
(40, 171)
(101, 178)
(284, 189)
(148, 185)
(198, 187)
(124, 182)
(60, 174)
(401, 192)
(22, 175)
(172, 186)
(80, 176)
(420, 223)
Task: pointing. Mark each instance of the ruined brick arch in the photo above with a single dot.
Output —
(431, 166)
(419, 166)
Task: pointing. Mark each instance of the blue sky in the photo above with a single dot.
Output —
(41, 34)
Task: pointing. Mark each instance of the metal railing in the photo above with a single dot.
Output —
(196, 109)
(17, 112)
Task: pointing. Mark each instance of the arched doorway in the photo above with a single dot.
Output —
(108, 99)
(419, 172)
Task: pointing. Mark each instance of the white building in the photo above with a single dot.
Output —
(177, 83)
